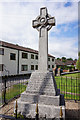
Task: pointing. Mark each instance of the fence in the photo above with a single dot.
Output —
(12, 86)
(69, 86)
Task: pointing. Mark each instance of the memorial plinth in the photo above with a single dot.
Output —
(42, 88)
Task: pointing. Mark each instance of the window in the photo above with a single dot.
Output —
(32, 67)
(36, 67)
(24, 67)
(48, 66)
(48, 59)
(32, 56)
(36, 57)
(52, 66)
(12, 56)
(53, 59)
(1, 51)
(25, 55)
(1, 67)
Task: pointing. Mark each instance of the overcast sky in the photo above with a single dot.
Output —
(16, 25)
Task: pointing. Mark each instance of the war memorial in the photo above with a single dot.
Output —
(42, 89)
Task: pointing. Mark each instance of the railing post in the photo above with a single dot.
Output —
(71, 87)
(5, 90)
(76, 85)
(37, 114)
(16, 107)
(79, 90)
(66, 87)
(61, 113)
(61, 83)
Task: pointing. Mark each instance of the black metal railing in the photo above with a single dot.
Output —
(69, 86)
(12, 86)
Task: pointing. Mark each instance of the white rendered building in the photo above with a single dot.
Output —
(16, 59)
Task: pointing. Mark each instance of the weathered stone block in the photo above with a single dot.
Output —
(29, 109)
(42, 83)
(42, 99)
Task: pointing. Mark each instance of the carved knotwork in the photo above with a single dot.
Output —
(43, 20)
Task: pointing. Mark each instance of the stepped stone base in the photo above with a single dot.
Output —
(41, 99)
(41, 89)
(29, 110)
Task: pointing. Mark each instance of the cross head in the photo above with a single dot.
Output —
(43, 20)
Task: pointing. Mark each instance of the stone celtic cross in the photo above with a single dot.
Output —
(43, 23)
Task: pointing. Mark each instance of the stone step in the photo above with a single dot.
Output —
(39, 84)
(42, 99)
(41, 90)
(42, 93)
(40, 81)
(39, 78)
(50, 111)
(41, 75)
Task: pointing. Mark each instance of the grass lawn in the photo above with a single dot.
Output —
(69, 85)
(73, 75)
(13, 91)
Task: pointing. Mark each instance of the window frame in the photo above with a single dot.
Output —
(36, 66)
(23, 69)
(48, 66)
(36, 57)
(33, 67)
(32, 56)
(1, 51)
(14, 55)
(48, 58)
(52, 66)
(1, 67)
(23, 57)
(52, 59)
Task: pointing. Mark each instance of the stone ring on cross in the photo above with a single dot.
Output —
(43, 20)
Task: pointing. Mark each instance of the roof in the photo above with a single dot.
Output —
(17, 47)
(58, 62)
(68, 62)
(71, 62)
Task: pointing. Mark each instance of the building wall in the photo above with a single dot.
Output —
(11, 66)
(51, 62)
(28, 62)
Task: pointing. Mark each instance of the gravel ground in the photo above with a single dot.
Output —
(8, 109)
(72, 109)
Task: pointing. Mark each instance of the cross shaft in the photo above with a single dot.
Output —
(43, 23)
